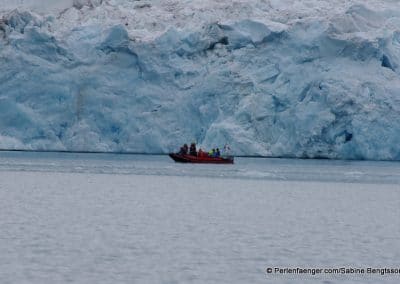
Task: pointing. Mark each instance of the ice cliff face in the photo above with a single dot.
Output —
(276, 78)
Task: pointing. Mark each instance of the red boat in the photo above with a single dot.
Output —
(184, 158)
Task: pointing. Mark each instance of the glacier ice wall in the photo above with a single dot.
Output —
(309, 87)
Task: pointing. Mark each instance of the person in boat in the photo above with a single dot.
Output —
(217, 153)
(214, 153)
(192, 150)
(184, 149)
(211, 153)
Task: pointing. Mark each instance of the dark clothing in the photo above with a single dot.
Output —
(184, 150)
(192, 150)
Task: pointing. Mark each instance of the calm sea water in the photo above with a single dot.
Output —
(93, 218)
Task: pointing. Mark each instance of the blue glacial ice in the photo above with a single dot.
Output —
(306, 86)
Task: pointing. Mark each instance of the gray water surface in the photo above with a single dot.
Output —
(96, 218)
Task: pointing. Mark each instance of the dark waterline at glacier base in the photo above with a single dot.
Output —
(321, 157)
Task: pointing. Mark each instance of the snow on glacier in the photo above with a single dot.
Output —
(277, 78)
